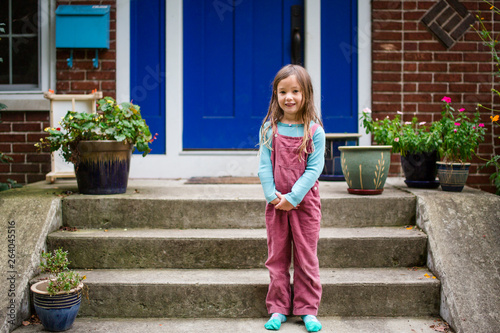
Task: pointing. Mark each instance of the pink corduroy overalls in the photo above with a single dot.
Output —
(298, 227)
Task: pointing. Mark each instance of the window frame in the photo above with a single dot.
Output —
(32, 98)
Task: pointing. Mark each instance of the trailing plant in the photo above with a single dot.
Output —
(61, 279)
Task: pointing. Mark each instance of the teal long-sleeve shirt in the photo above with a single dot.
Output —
(315, 164)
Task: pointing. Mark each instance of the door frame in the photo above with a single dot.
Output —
(177, 163)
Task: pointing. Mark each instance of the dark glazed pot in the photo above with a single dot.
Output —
(420, 169)
(103, 167)
(453, 176)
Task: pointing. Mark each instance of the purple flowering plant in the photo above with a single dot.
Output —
(460, 134)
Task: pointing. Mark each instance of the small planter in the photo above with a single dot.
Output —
(365, 168)
(453, 176)
(56, 312)
(420, 169)
(103, 167)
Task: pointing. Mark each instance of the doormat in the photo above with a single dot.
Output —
(223, 180)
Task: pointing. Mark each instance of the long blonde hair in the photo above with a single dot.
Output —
(307, 109)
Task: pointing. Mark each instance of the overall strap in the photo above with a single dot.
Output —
(313, 129)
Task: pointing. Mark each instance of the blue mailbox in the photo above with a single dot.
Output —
(82, 26)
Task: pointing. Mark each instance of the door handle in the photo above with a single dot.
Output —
(296, 19)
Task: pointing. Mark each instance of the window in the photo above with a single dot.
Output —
(20, 44)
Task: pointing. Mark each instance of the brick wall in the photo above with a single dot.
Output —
(20, 130)
(412, 71)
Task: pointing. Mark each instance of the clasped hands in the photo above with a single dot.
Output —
(281, 203)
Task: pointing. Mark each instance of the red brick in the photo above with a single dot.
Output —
(5, 147)
(463, 87)
(21, 179)
(12, 138)
(464, 46)
(413, 16)
(419, 98)
(431, 46)
(4, 127)
(33, 178)
(18, 158)
(410, 87)
(387, 56)
(418, 36)
(27, 127)
(410, 46)
(386, 5)
(386, 15)
(410, 67)
(4, 167)
(411, 56)
(432, 87)
(38, 116)
(108, 86)
(432, 67)
(70, 75)
(386, 87)
(445, 77)
(386, 35)
(386, 77)
(25, 168)
(84, 85)
(438, 56)
(108, 65)
(23, 148)
(463, 67)
(101, 75)
(11, 116)
(38, 158)
(386, 97)
(475, 57)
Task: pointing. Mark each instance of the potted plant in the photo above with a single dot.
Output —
(100, 144)
(57, 299)
(416, 141)
(460, 137)
(365, 168)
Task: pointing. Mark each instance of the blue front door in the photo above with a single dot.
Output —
(147, 65)
(339, 66)
(232, 50)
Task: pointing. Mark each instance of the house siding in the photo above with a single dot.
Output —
(411, 72)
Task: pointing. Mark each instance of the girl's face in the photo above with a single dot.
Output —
(289, 95)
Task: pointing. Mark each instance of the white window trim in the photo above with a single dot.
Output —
(33, 100)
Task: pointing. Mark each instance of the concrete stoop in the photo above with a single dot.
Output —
(166, 251)
(249, 325)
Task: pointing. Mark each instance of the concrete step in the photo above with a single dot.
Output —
(176, 293)
(249, 325)
(173, 204)
(234, 248)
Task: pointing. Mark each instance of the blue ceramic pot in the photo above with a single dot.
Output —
(56, 312)
(103, 167)
(453, 176)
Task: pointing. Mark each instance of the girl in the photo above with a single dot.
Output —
(292, 145)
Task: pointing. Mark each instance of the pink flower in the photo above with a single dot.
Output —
(396, 140)
(399, 112)
(457, 124)
(473, 127)
(481, 125)
(446, 99)
(421, 123)
(461, 110)
(455, 130)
